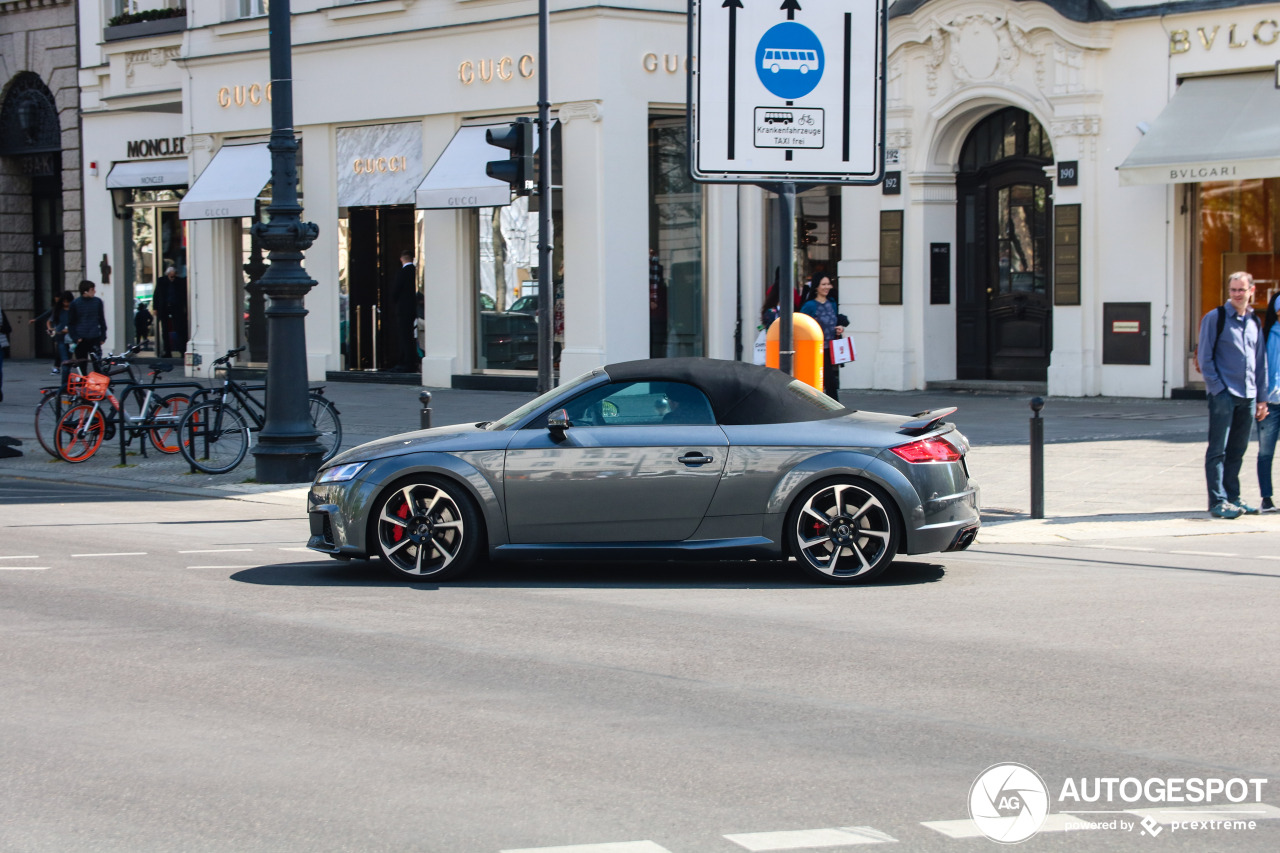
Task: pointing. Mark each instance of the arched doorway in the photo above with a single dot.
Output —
(31, 137)
(1003, 232)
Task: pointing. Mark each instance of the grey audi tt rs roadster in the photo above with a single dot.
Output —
(662, 459)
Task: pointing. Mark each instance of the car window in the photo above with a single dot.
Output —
(641, 404)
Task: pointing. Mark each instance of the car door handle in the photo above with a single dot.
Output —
(696, 458)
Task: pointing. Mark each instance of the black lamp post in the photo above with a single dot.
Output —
(287, 450)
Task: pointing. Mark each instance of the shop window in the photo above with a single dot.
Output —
(891, 257)
(508, 284)
(817, 235)
(676, 295)
(1239, 224)
(156, 240)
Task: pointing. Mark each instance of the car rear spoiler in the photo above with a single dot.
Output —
(922, 422)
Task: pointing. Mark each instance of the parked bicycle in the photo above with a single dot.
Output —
(216, 432)
(99, 413)
(56, 400)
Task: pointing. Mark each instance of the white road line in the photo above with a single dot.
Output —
(118, 554)
(809, 839)
(1116, 547)
(1205, 553)
(968, 829)
(296, 549)
(215, 551)
(23, 568)
(22, 557)
(223, 567)
(1266, 556)
(613, 847)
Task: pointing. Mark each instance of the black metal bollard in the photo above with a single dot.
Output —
(424, 417)
(1037, 458)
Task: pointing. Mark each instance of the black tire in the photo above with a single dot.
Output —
(49, 411)
(324, 417)
(426, 528)
(843, 531)
(213, 437)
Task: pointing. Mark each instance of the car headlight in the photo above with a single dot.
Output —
(340, 473)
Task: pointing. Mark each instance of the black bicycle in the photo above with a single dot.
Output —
(215, 430)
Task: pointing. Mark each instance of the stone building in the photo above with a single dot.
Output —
(41, 224)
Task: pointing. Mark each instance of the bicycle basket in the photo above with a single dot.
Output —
(91, 387)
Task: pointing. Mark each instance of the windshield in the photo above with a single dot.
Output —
(506, 421)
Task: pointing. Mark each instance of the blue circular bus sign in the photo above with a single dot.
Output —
(789, 60)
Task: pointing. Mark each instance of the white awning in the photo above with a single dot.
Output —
(230, 184)
(1214, 129)
(143, 174)
(457, 179)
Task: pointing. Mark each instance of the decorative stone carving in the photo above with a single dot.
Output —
(1076, 126)
(979, 48)
(155, 57)
(1068, 63)
(581, 109)
(900, 139)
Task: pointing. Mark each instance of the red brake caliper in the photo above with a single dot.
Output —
(402, 513)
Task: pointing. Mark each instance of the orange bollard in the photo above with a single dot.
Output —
(807, 335)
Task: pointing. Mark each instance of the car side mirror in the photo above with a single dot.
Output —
(557, 422)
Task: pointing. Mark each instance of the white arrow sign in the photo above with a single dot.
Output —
(787, 92)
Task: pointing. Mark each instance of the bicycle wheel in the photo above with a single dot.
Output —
(164, 416)
(49, 411)
(214, 437)
(324, 417)
(79, 433)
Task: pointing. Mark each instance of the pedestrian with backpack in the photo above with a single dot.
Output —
(1233, 359)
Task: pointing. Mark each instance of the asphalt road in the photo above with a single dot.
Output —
(178, 675)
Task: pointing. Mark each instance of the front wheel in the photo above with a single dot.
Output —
(843, 531)
(427, 528)
(214, 438)
(80, 432)
(48, 412)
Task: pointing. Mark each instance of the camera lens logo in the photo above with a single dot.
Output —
(1008, 803)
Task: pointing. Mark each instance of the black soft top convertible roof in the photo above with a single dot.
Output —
(740, 393)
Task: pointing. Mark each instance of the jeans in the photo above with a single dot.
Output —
(1268, 432)
(1229, 427)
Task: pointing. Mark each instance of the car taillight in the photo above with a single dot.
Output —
(928, 450)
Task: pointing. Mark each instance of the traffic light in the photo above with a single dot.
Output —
(517, 169)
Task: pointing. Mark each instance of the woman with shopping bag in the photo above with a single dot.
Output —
(822, 307)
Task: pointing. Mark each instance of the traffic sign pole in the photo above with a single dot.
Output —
(787, 281)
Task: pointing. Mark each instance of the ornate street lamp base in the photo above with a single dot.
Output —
(285, 464)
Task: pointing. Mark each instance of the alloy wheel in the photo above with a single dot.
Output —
(844, 531)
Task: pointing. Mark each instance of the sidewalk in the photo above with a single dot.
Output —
(1114, 468)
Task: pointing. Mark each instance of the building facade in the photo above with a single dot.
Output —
(41, 250)
(1058, 212)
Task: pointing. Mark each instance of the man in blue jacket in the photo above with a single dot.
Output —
(87, 321)
(1233, 358)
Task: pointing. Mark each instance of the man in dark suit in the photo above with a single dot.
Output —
(404, 306)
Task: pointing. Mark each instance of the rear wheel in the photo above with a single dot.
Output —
(48, 412)
(843, 531)
(427, 528)
(213, 437)
(324, 417)
(166, 413)
(79, 433)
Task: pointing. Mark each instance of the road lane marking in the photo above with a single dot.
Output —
(968, 829)
(1205, 553)
(223, 567)
(1117, 547)
(1245, 811)
(612, 847)
(809, 839)
(215, 550)
(22, 557)
(116, 554)
(23, 568)
(1266, 557)
(303, 550)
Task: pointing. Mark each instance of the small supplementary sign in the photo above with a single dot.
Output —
(1126, 327)
(788, 127)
